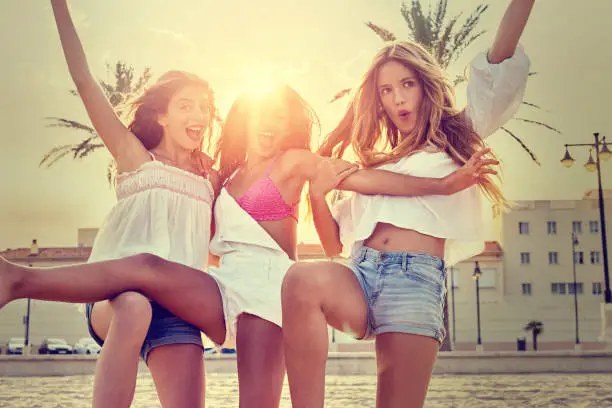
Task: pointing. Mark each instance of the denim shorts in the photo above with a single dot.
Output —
(165, 328)
(405, 292)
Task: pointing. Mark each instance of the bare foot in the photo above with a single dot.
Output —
(8, 279)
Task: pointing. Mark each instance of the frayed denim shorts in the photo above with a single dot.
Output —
(405, 291)
(165, 328)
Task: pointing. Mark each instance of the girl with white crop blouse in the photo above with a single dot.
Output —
(392, 287)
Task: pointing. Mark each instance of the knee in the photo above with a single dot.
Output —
(301, 285)
(146, 261)
(132, 311)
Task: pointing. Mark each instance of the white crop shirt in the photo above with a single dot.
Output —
(494, 94)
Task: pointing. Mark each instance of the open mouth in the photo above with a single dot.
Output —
(267, 138)
(403, 114)
(195, 132)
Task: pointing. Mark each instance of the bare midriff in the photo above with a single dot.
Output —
(389, 238)
(284, 232)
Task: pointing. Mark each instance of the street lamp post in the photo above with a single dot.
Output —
(574, 243)
(26, 323)
(452, 271)
(601, 152)
(476, 276)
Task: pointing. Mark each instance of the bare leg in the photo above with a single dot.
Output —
(178, 372)
(188, 293)
(404, 364)
(122, 323)
(261, 362)
(312, 299)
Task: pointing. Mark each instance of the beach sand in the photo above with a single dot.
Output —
(449, 391)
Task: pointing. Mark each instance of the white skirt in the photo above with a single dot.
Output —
(250, 282)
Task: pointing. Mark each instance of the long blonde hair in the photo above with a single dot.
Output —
(376, 140)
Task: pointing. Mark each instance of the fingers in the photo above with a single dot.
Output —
(478, 155)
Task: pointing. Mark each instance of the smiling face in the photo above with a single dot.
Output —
(268, 125)
(187, 117)
(400, 93)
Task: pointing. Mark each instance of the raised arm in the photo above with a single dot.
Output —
(123, 145)
(497, 80)
(510, 30)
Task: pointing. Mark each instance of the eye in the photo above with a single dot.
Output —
(184, 106)
(385, 91)
(409, 83)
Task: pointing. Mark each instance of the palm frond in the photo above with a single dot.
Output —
(383, 33)
(459, 50)
(535, 122)
(70, 124)
(418, 24)
(532, 105)
(340, 95)
(441, 52)
(55, 154)
(523, 145)
(459, 79)
(466, 31)
(438, 21)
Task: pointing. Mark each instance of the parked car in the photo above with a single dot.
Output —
(54, 346)
(15, 345)
(228, 351)
(86, 345)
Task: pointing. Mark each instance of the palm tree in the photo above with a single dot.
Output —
(446, 41)
(119, 94)
(536, 328)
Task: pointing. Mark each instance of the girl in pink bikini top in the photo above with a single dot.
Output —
(264, 202)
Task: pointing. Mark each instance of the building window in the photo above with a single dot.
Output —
(579, 288)
(525, 258)
(526, 289)
(523, 228)
(558, 288)
(488, 278)
(595, 257)
(577, 227)
(579, 258)
(553, 258)
(597, 288)
(552, 227)
(594, 227)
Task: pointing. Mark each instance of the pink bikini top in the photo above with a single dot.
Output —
(264, 202)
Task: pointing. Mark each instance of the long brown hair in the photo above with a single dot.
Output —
(231, 149)
(154, 102)
(376, 140)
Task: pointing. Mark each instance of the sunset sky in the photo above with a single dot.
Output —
(317, 46)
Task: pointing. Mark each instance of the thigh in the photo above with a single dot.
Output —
(261, 363)
(178, 373)
(404, 365)
(333, 287)
(99, 320)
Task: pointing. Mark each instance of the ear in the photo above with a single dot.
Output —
(162, 119)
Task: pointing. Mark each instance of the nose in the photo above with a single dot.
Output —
(398, 98)
(198, 115)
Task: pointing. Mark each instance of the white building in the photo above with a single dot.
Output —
(533, 278)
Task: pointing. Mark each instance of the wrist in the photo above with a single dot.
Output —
(439, 186)
(316, 195)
